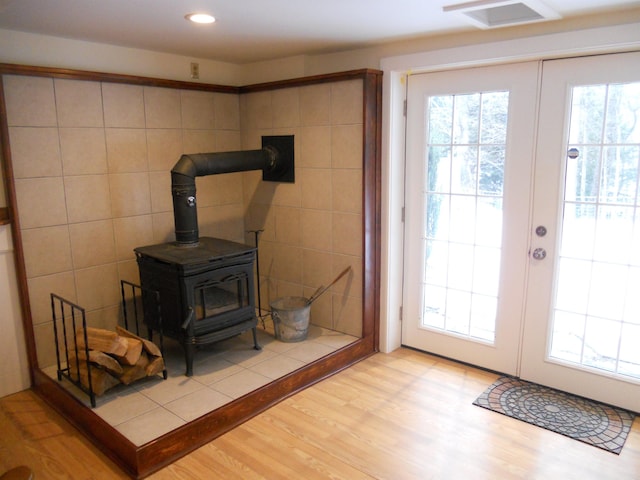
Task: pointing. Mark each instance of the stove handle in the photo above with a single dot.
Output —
(188, 320)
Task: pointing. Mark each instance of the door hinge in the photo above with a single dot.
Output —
(400, 312)
(402, 215)
(404, 108)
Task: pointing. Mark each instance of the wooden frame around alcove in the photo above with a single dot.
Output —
(141, 461)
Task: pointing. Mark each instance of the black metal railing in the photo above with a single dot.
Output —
(134, 299)
(70, 333)
(66, 315)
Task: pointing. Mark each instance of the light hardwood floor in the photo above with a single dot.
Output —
(404, 415)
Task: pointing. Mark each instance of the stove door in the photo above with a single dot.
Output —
(221, 298)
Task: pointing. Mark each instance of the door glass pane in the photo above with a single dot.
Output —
(573, 285)
(582, 175)
(601, 341)
(484, 309)
(568, 336)
(438, 225)
(489, 221)
(464, 169)
(462, 215)
(596, 309)
(466, 119)
(486, 271)
(434, 305)
(619, 174)
(491, 169)
(466, 136)
(629, 363)
(435, 272)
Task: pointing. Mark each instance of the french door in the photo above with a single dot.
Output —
(582, 321)
(468, 175)
(522, 241)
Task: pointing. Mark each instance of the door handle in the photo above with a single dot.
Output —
(539, 253)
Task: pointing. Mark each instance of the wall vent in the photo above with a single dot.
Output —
(493, 14)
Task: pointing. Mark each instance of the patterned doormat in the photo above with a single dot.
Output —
(590, 422)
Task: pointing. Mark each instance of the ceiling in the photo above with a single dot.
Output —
(254, 30)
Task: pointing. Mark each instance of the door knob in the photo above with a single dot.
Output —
(539, 253)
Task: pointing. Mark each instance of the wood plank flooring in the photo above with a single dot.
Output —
(404, 415)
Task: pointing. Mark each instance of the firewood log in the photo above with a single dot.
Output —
(132, 355)
(107, 362)
(155, 366)
(101, 380)
(149, 347)
(135, 372)
(103, 340)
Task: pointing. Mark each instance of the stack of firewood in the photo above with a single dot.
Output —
(115, 357)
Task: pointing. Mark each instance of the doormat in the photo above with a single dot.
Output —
(590, 422)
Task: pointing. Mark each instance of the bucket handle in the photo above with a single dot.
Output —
(321, 290)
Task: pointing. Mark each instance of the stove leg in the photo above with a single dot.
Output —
(189, 353)
(256, 346)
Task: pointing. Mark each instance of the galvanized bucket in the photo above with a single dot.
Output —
(291, 318)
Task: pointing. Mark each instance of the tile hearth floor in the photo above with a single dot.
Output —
(222, 372)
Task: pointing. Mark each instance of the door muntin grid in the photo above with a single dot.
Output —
(596, 314)
(463, 200)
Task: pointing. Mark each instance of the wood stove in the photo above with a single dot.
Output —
(206, 285)
(206, 291)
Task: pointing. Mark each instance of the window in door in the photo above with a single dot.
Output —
(463, 199)
(596, 317)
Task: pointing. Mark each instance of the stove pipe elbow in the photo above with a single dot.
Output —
(276, 164)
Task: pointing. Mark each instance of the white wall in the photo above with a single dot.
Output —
(14, 368)
(274, 70)
(46, 51)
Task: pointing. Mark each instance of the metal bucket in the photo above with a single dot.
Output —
(291, 318)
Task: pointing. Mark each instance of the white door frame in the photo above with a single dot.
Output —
(618, 38)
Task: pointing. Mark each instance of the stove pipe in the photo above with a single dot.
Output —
(274, 160)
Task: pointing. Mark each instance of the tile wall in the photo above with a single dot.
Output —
(312, 228)
(92, 160)
(91, 163)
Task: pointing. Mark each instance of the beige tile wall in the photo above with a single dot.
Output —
(312, 228)
(92, 162)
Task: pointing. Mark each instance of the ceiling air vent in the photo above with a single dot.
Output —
(493, 14)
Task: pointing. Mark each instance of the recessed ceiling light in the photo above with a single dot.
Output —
(200, 18)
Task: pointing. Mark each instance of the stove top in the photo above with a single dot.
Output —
(208, 250)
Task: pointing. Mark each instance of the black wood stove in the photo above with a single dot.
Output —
(206, 285)
(206, 291)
